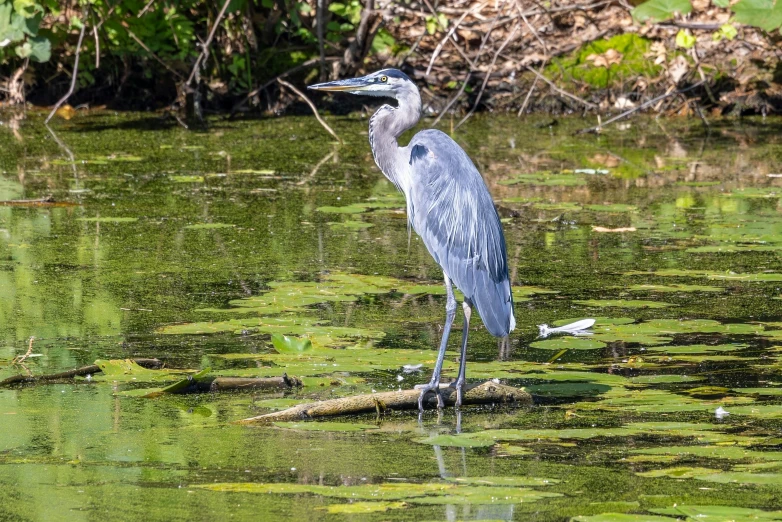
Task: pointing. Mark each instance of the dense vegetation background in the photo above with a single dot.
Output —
(502, 55)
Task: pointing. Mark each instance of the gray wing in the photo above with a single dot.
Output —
(453, 212)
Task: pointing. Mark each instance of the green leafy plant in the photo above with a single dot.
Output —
(765, 14)
(661, 10)
(19, 25)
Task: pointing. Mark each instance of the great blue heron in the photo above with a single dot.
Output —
(448, 205)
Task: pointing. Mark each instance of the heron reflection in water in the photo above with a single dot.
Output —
(448, 205)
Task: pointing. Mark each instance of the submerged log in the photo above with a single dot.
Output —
(217, 384)
(486, 393)
(76, 372)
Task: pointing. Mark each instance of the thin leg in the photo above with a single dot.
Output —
(460, 381)
(434, 384)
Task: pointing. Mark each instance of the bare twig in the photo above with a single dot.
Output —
(472, 68)
(20, 360)
(274, 80)
(531, 89)
(312, 106)
(596, 129)
(207, 43)
(146, 7)
(561, 91)
(73, 75)
(317, 167)
(509, 39)
(320, 19)
(151, 53)
(448, 35)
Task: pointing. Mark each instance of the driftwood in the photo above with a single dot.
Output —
(216, 384)
(486, 393)
(76, 372)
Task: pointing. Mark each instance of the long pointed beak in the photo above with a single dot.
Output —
(351, 85)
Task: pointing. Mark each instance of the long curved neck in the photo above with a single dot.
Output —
(385, 126)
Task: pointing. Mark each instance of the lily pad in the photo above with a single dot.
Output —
(352, 225)
(719, 513)
(285, 344)
(680, 472)
(208, 226)
(674, 288)
(355, 508)
(109, 219)
(568, 343)
(613, 207)
(622, 303)
(325, 426)
(620, 517)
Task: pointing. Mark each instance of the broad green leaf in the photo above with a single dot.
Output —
(766, 14)
(285, 344)
(40, 49)
(12, 25)
(27, 8)
(661, 10)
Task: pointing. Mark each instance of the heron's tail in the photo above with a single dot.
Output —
(494, 302)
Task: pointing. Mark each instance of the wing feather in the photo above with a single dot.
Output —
(455, 216)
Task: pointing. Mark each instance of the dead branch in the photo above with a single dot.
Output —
(73, 75)
(207, 43)
(562, 91)
(486, 393)
(312, 106)
(597, 128)
(216, 384)
(76, 372)
(510, 38)
(472, 66)
(448, 35)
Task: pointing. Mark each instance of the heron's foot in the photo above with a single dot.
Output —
(459, 385)
(426, 388)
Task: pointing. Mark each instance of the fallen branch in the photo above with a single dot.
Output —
(215, 384)
(597, 128)
(561, 91)
(43, 202)
(486, 393)
(312, 106)
(73, 75)
(69, 374)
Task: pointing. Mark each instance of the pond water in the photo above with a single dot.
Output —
(195, 248)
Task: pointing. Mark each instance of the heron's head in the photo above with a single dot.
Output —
(390, 83)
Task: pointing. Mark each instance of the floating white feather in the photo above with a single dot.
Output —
(576, 328)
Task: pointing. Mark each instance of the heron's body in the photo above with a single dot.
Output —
(448, 205)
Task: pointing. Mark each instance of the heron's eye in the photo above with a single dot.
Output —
(384, 79)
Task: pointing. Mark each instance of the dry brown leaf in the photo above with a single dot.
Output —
(606, 59)
(659, 52)
(677, 68)
(604, 229)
